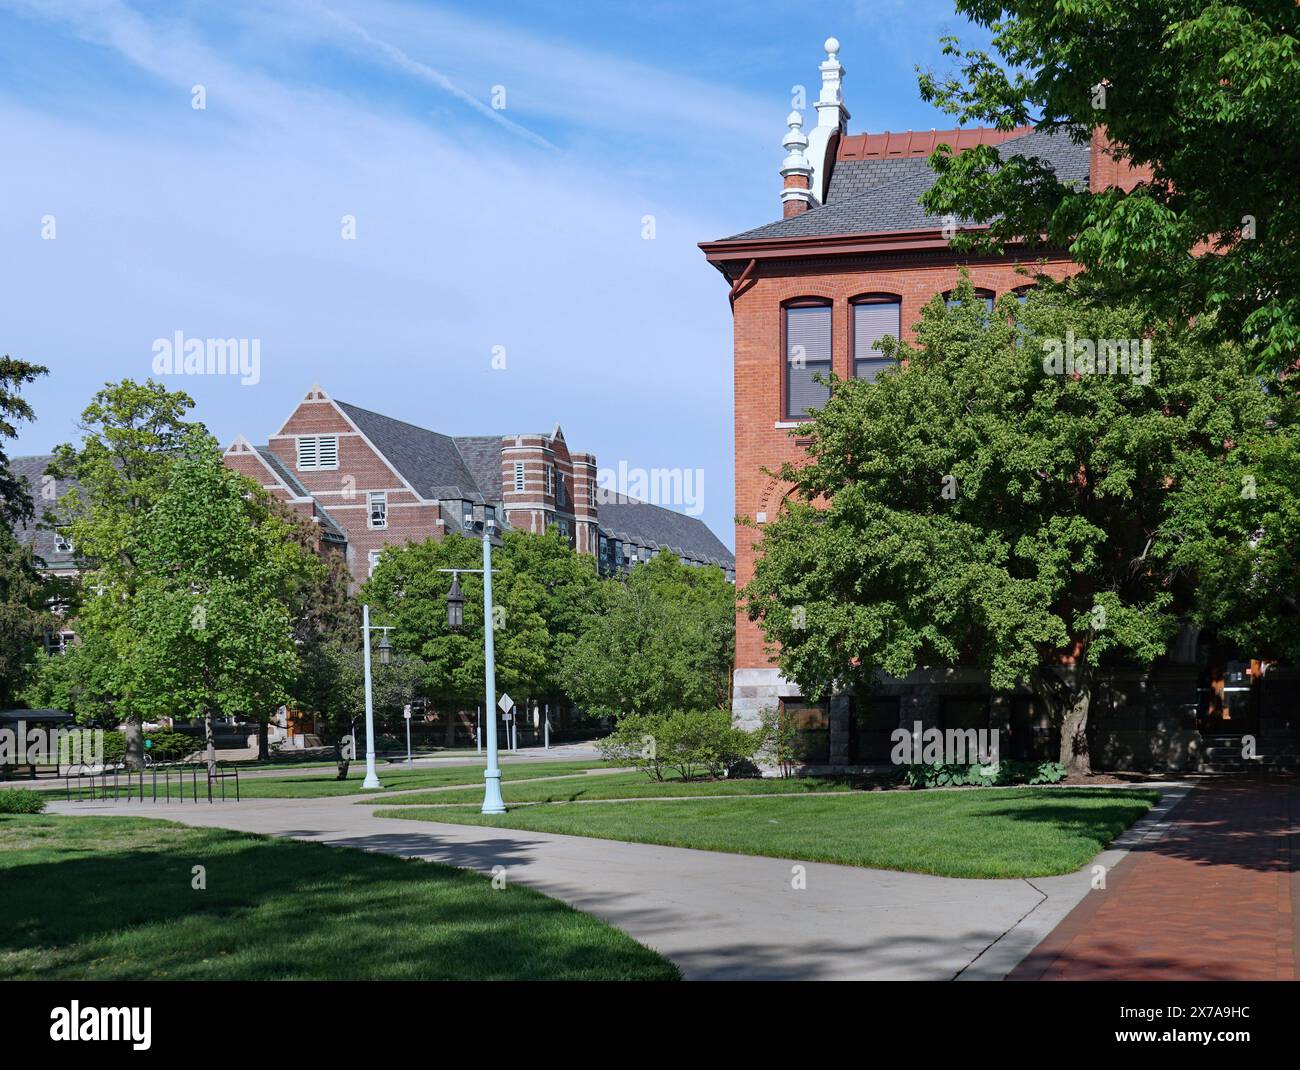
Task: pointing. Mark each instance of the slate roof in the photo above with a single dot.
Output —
(32, 469)
(851, 177)
(643, 524)
(878, 195)
(482, 456)
(330, 527)
(430, 462)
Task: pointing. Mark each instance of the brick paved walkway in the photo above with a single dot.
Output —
(1216, 898)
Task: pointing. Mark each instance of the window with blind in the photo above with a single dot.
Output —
(519, 475)
(316, 452)
(807, 354)
(873, 319)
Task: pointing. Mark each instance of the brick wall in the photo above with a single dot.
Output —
(763, 438)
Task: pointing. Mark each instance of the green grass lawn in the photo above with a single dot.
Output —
(626, 786)
(394, 778)
(110, 898)
(982, 832)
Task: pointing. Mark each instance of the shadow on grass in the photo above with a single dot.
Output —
(113, 898)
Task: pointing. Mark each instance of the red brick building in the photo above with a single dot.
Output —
(369, 481)
(853, 258)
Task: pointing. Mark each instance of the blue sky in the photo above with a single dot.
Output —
(476, 227)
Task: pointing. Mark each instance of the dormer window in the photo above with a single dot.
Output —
(467, 514)
(62, 544)
(318, 453)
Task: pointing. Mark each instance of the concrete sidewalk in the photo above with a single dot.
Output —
(718, 916)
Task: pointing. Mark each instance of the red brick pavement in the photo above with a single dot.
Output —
(1216, 898)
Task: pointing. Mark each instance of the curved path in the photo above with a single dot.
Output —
(718, 916)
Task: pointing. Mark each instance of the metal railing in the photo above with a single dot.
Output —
(153, 782)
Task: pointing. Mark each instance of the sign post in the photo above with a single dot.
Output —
(406, 713)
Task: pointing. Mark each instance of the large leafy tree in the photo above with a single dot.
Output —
(542, 592)
(1204, 93)
(211, 617)
(659, 642)
(131, 436)
(22, 589)
(972, 508)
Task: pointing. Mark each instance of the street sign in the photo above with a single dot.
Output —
(406, 712)
(507, 704)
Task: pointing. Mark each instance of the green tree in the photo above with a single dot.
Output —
(337, 675)
(132, 435)
(662, 640)
(1206, 93)
(971, 508)
(23, 591)
(542, 592)
(210, 623)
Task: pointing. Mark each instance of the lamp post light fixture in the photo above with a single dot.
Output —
(492, 802)
(455, 605)
(371, 782)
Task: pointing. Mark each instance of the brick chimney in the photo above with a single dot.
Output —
(796, 195)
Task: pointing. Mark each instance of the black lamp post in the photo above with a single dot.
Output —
(455, 605)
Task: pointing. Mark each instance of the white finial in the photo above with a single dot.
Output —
(832, 46)
(795, 142)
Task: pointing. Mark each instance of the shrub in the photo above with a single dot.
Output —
(781, 742)
(694, 743)
(172, 746)
(941, 775)
(21, 801)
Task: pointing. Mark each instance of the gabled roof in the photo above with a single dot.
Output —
(430, 462)
(32, 469)
(880, 195)
(643, 524)
(330, 527)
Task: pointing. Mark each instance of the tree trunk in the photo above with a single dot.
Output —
(342, 761)
(263, 742)
(210, 734)
(1074, 730)
(133, 734)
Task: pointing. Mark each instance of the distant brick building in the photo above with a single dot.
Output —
(854, 258)
(368, 481)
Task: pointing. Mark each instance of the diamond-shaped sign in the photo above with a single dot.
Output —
(507, 703)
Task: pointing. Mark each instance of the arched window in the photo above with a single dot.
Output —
(874, 317)
(806, 353)
(980, 295)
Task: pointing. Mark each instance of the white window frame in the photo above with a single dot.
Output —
(372, 560)
(62, 544)
(309, 453)
(377, 498)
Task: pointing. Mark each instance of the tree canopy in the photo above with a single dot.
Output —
(1205, 93)
(659, 641)
(973, 507)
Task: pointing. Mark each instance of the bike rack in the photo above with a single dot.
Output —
(97, 782)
